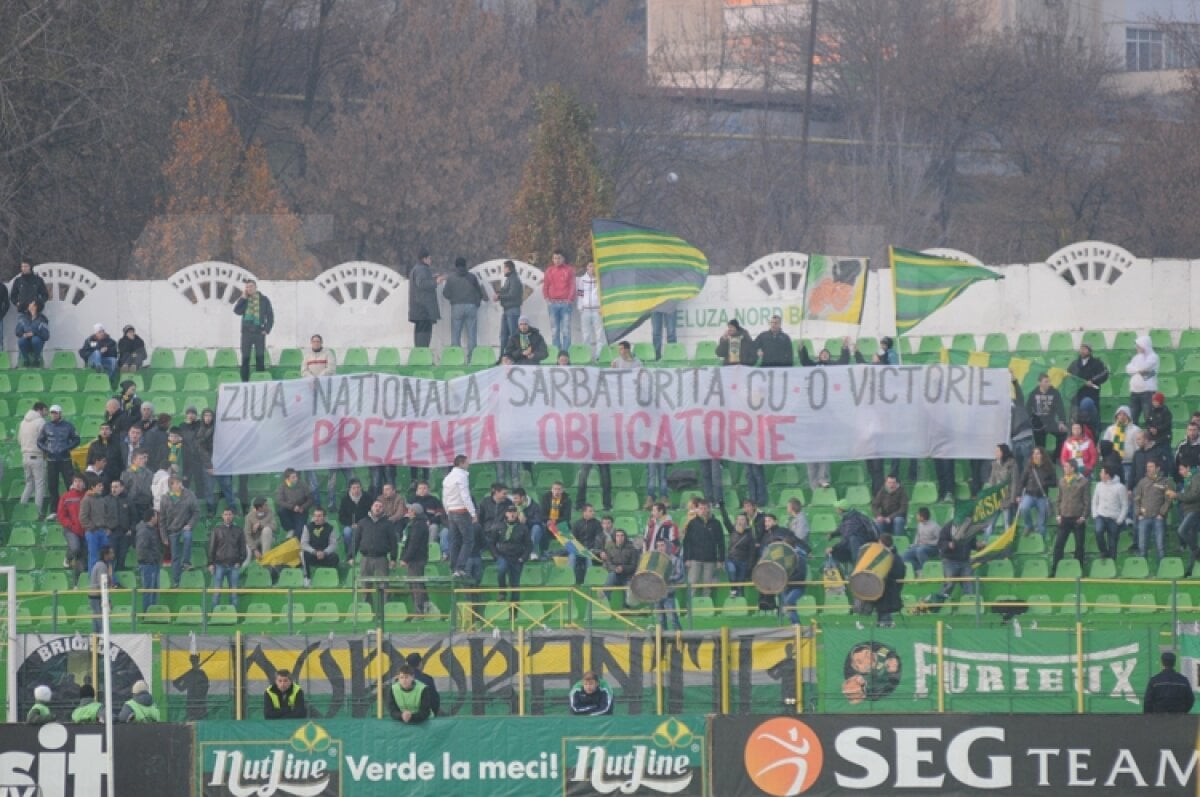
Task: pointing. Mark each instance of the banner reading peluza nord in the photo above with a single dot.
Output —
(566, 414)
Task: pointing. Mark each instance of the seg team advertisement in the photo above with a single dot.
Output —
(953, 754)
(496, 757)
(568, 414)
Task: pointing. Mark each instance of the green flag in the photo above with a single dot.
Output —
(638, 269)
(973, 516)
(923, 283)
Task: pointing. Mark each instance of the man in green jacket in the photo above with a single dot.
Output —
(90, 710)
(410, 701)
(1189, 509)
(39, 712)
(140, 707)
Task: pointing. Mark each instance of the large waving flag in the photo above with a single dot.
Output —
(640, 268)
(1001, 547)
(835, 289)
(924, 283)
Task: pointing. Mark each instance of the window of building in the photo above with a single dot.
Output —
(1143, 49)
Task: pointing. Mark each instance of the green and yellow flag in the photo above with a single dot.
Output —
(1024, 370)
(923, 283)
(1001, 547)
(638, 269)
(835, 288)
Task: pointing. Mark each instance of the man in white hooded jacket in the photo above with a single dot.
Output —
(1143, 378)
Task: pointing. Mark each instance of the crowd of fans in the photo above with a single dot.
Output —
(149, 478)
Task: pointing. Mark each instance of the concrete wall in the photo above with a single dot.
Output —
(366, 304)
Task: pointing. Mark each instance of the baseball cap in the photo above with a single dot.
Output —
(56, 408)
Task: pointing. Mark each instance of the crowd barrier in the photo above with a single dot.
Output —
(694, 755)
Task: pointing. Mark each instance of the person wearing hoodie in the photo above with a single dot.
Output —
(1150, 506)
(1158, 420)
(510, 296)
(464, 292)
(131, 350)
(736, 346)
(511, 546)
(1080, 449)
(1123, 434)
(1048, 413)
(855, 530)
(39, 712)
(99, 352)
(33, 461)
(1034, 490)
(1110, 502)
(140, 707)
(1143, 377)
(1074, 504)
(527, 346)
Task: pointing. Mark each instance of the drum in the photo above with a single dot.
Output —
(874, 562)
(771, 573)
(649, 583)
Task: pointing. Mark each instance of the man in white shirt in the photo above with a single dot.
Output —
(587, 292)
(32, 459)
(460, 515)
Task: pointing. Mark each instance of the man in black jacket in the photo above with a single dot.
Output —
(1168, 692)
(774, 347)
(510, 296)
(464, 293)
(510, 545)
(355, 505)
(414, 554)
(283, 699)
(28, 287)
(1093, 372)
(491, 509)
(527, 346)
(257, 320)
(589, 535)
(703, 547)
(318, 545)
(375, 542)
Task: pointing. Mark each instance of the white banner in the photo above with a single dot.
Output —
(567, 414)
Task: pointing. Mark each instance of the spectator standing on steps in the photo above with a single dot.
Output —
(33, 460)
(558, 288)
(510, 296)
(28, 288)
(257, 320)
(587, 292)
(423, 310)
(464, 292)
(56, 441)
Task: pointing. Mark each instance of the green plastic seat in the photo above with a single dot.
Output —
(226, 358)
(1029, 341)
(259, 612)
(64, 360)
(196, 383)
(996, 343)
(163, 358)
(395, 612)
(706, 352)
(674, 353)
(223, 614)
(1060, 342)
(1069, 568)
(194, 359)
(355, 358)
(31, 383)
(23, 536)
(420, 358)
(290, 577)
(387, 357)
(483, 357)
(290, 360)
(644, 351)
(63, 384)
(158, 614)
(163, 383)
(1161, 338)
(325, 578)
(963, 343)
(1168, 386)
(580, 354)
(1170, 568)
(923, 493)
(452, 357)
(1135, 567)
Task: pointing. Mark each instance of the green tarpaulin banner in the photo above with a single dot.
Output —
(522, 757)
(984, 670)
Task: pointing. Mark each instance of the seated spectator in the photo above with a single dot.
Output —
(591, 697)
(563, 358)
(318, 545)
(527, 347)
(99, 352)
(318, 360)
(890, 506)
(925, 544)
(625, 357)
(260, 530)
(621, 559)
(797, 520)
(131, 351)
(33, 330)
(293, 499)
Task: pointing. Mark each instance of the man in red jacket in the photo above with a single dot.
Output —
(68, 516)
(558, 288)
